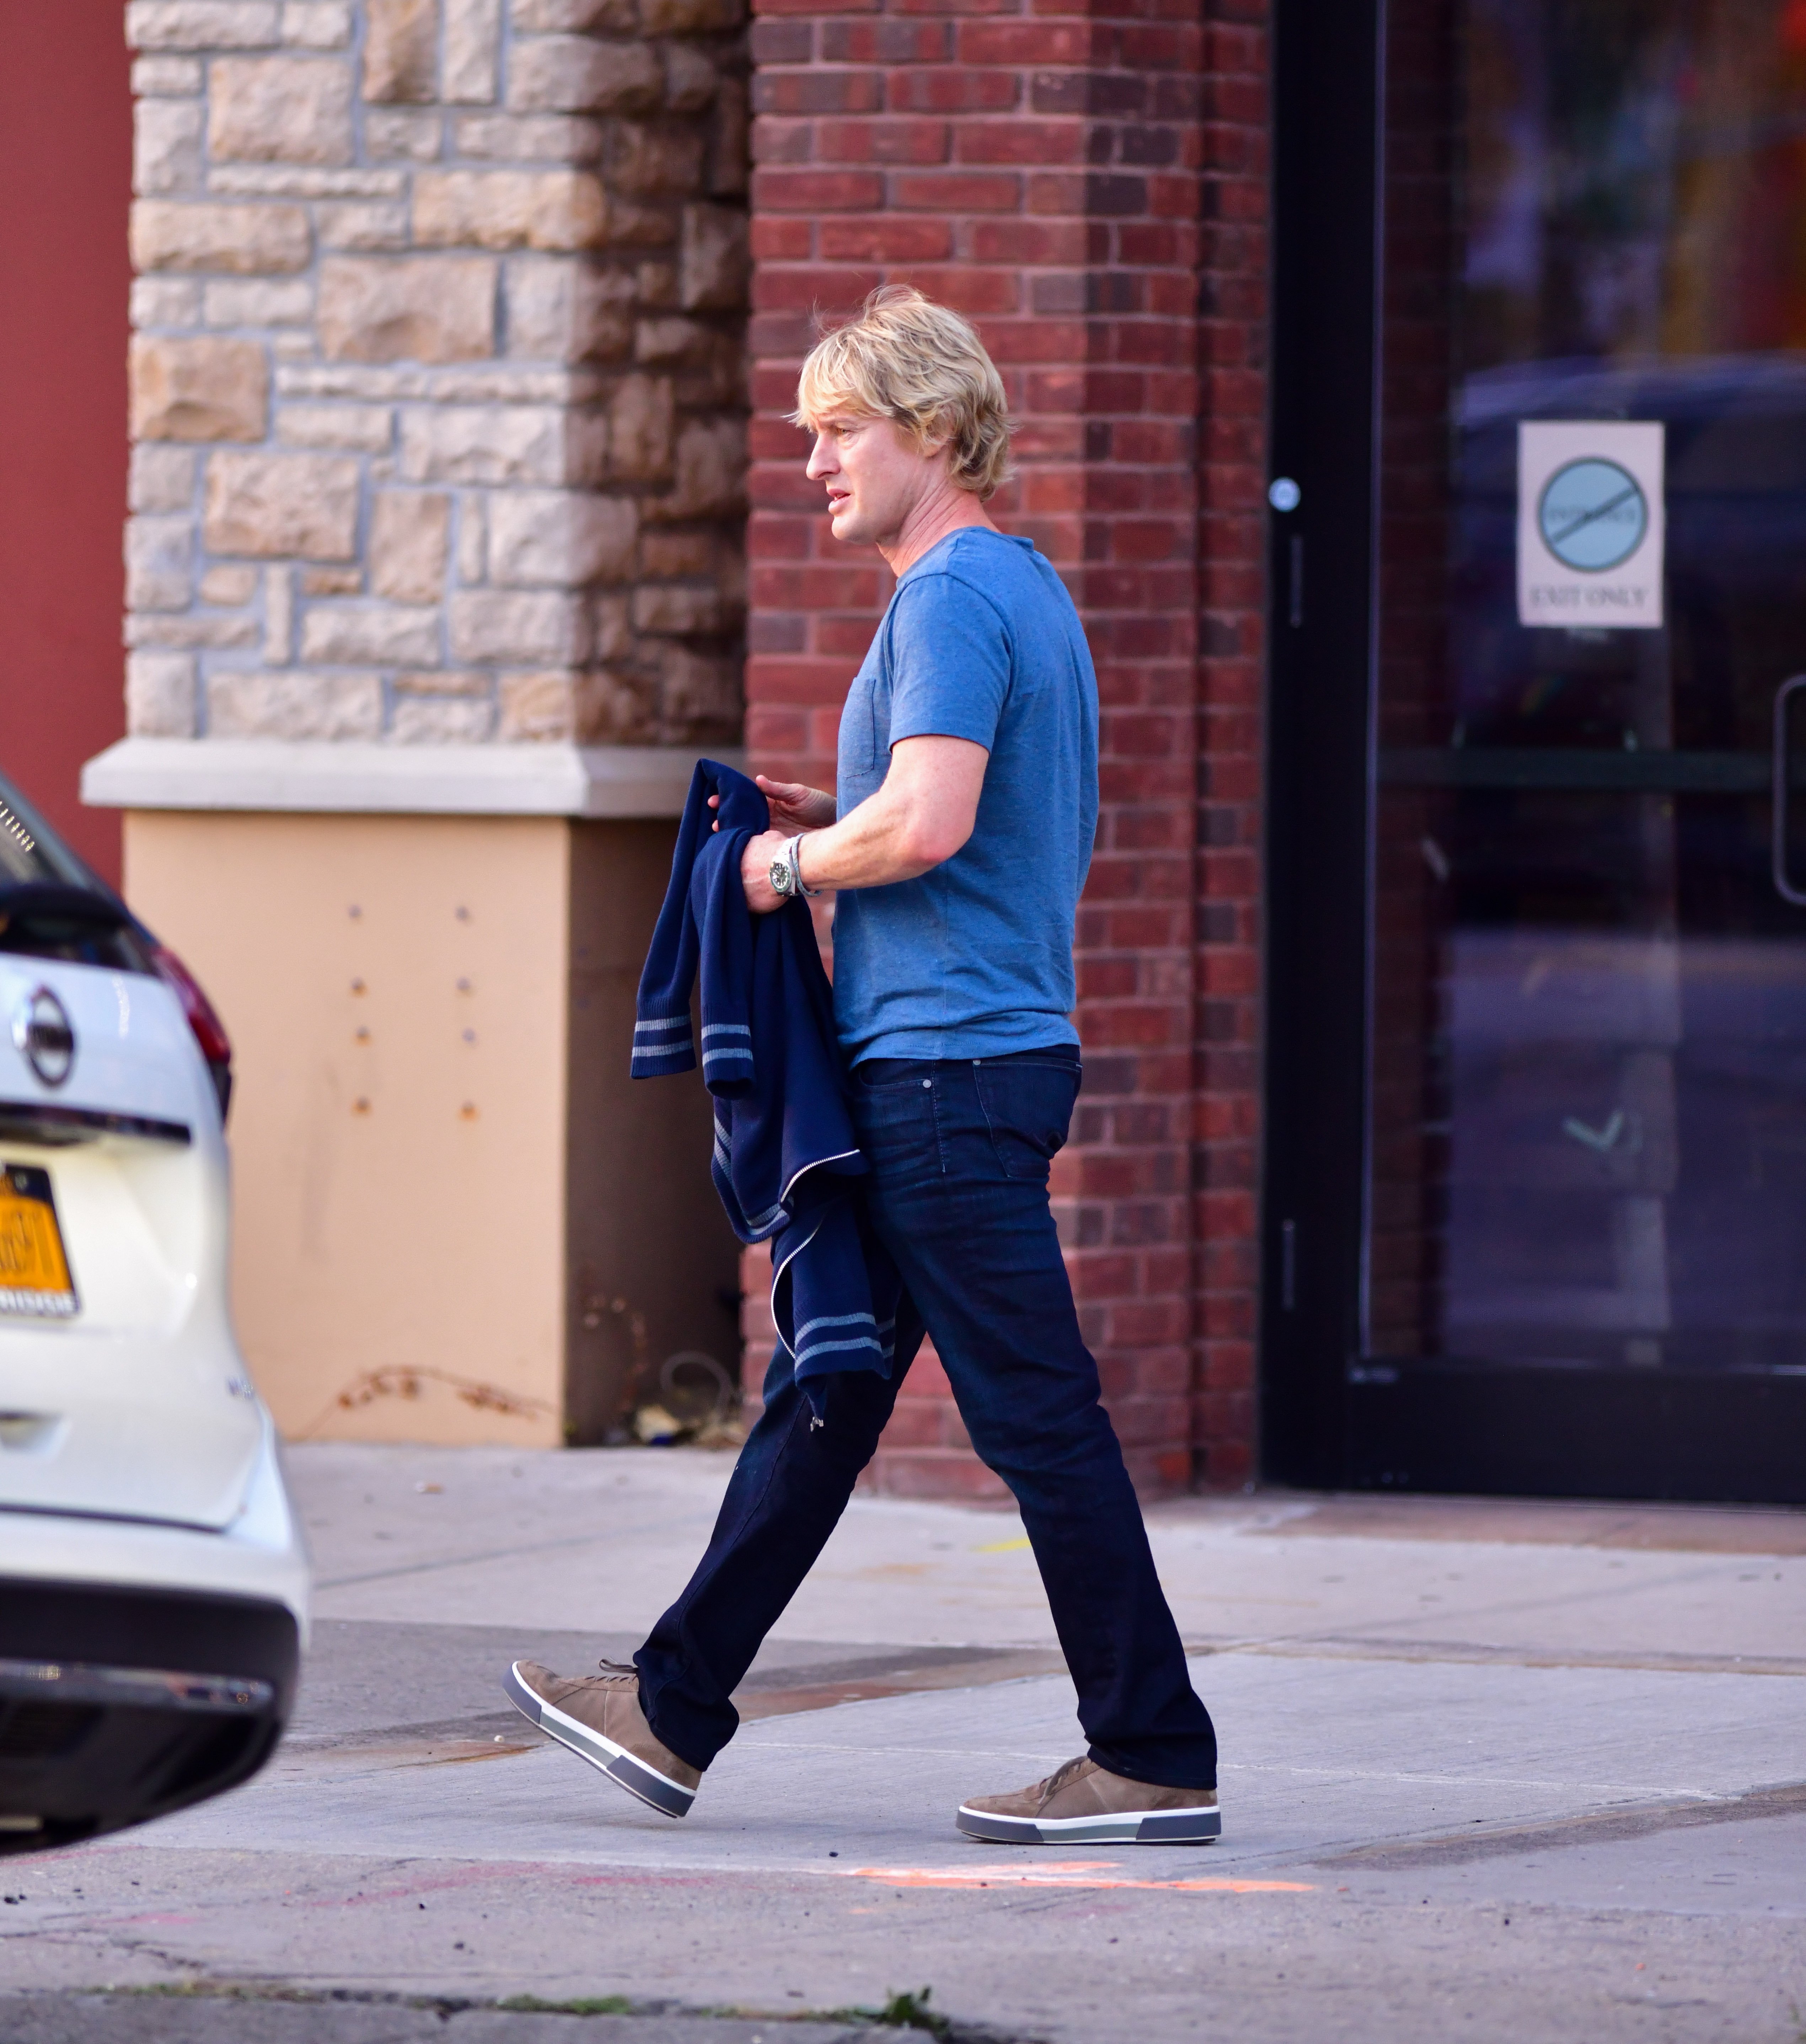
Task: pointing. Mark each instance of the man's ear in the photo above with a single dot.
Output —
(935, 441)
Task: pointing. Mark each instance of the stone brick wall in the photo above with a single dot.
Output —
(437, 387)
(1090, 184)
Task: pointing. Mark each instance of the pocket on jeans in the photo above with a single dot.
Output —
(896, 1126)
(867, 1086)
(1028, 1109)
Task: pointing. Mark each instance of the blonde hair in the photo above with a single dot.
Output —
(907, 360)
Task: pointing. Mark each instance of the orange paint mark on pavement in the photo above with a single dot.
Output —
(1061, 1874)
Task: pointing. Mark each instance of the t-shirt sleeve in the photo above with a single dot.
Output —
(950, 661)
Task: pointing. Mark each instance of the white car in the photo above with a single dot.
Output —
(153, 1581)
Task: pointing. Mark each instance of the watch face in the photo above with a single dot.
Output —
(779, 876)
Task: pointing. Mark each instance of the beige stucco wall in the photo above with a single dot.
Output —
(395, 990)
(455, 1217)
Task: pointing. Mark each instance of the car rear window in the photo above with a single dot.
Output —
(29, 852)
(52, 906)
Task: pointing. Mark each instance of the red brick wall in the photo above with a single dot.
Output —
(1233, 257)
(1089, 184)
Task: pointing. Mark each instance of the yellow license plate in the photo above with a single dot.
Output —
(34, 1270)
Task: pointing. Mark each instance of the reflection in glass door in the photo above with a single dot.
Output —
(1586, 1142)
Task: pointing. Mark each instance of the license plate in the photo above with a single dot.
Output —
(34, 1270)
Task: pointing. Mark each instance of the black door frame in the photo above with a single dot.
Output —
(1320, 632)
(1331, 1417)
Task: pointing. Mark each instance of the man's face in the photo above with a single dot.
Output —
(874, 475)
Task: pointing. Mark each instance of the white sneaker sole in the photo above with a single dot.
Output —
(1159, 1827)
(669, 1798)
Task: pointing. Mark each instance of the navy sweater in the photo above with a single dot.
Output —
(787, 1162)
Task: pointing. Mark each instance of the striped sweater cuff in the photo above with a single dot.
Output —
(727, 1050)
(662, 1044)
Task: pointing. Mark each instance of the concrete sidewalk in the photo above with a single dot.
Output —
(1495, 1769)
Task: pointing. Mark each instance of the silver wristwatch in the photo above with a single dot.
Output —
(785, 875)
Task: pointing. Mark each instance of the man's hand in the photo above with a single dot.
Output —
(794, 805)
(755, 870)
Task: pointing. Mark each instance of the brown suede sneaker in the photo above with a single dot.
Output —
(1084, 1803)
(599, 1717)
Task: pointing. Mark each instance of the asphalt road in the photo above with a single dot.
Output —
(1491, 1771)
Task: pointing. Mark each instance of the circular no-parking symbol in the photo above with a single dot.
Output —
(1593, 514)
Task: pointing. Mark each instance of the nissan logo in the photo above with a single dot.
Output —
(41, 1031)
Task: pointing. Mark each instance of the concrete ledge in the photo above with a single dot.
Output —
(418, 780)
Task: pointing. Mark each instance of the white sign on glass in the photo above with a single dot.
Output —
(1590, 523)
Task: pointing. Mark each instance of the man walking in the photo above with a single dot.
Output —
(958, 840)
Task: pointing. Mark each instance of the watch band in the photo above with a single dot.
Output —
(793, 860)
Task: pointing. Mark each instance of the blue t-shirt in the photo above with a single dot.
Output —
(975, 959)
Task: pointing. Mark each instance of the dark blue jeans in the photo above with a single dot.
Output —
(959, 1152)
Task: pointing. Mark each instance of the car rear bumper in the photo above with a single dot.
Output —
(143, 1666)
(118, 1704)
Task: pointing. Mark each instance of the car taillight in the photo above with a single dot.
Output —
(209, 1032)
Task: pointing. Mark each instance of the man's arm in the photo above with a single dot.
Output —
(919, 817)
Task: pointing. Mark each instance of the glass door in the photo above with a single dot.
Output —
(1580, 1227)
